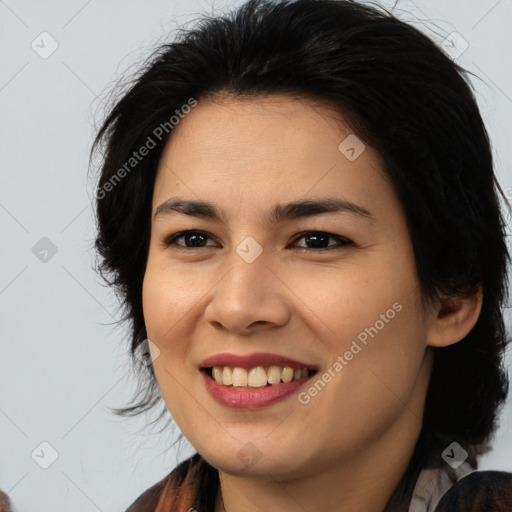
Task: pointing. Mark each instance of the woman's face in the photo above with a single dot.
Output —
(250, 284)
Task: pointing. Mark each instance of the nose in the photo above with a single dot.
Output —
(249, 298)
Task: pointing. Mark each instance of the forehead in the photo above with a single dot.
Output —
(273, 148)
(226, 127)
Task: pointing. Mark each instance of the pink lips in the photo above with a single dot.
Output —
(253, 360)
(252, 398)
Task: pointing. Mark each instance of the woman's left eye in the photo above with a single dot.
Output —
(317, 238)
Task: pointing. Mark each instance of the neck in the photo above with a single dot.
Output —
(365, 480)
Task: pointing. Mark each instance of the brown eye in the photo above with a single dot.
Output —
(192, 237)
(320, 240)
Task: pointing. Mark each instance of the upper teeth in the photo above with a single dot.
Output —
(256, 377)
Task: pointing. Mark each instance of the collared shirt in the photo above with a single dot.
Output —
(432, 484)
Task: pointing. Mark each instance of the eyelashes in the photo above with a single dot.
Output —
(316, 237)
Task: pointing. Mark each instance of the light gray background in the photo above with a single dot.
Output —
(63, 363)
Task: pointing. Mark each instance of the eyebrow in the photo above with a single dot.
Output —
(279, 213)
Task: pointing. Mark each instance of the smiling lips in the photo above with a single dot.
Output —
(253, 381)
(254, 370)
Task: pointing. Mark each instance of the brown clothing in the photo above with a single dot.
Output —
(478, 491)
(5, 504)
(186, 487)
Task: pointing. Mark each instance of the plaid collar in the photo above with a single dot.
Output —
(433, 483)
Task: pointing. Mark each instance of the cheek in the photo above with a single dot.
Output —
(166, 297)
(340, 304)
(370, 320)
(155, 296)
(372, 373)
(162, 310)
(165, 304)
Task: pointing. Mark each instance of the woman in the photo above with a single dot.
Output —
(298, 207)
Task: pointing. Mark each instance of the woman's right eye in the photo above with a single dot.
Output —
(193, 236)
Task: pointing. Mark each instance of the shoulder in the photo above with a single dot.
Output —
(171, 486)
(479, 491)
(5, 504)
(148, 500)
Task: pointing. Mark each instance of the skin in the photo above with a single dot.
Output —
(245, 155)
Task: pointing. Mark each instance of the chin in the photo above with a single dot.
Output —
(241, 464)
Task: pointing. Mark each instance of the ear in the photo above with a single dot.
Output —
(455, 319)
